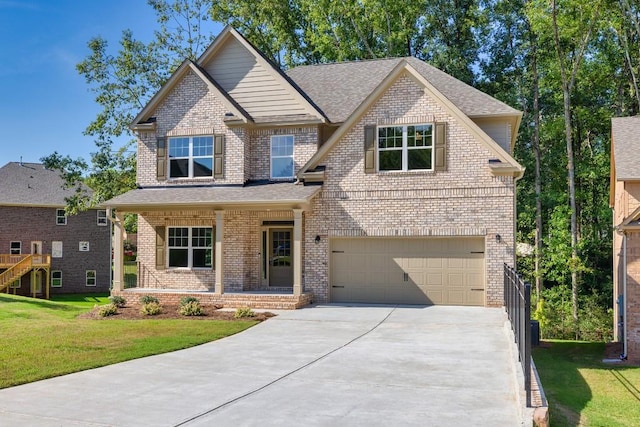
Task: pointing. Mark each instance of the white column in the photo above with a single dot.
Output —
(297, 252)
(118, 252)
(219, 286)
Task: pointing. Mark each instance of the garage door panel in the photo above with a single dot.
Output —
(408, 270)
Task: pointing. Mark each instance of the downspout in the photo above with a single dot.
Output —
(623, 356)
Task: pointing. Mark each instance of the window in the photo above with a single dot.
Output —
(83, 246)
(56, 279)
(61, 217)
(56, 249)
(405, 148)
(15, 248)
(190, 247)
(191, 157)
(282, 157)
(102, 217)
(91, 278)
(16, 284)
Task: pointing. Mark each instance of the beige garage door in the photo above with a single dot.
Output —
(408, 270)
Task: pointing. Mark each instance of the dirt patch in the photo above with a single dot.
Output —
(132, 312)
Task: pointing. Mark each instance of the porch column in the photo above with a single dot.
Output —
(219, 286)
(297, 252)
(118, 252)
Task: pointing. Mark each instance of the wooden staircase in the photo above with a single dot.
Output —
(19, 265)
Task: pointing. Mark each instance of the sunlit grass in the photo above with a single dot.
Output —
(43, 339)
(584, 391)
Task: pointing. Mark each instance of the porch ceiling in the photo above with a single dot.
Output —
(284, 195)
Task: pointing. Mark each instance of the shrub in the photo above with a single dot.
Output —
(107, 310)
(188, 299)
(191, 308)
(244, 312)
(118, 301)
(148, 299)
(151, 309)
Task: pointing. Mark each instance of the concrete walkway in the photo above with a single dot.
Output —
(323, 366)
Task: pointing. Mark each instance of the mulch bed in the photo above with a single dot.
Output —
(132, 312)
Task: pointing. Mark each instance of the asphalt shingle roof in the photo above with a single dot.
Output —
(625, 133)
(339, 88)
(30, 184)
(272, 193)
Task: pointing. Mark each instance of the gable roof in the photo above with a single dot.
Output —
(507, 165)
(625, 141)
(339, 88)
(30, 184)
(176, 77)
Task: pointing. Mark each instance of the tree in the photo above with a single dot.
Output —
(123, 83)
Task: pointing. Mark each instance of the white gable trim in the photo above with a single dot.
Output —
(399, 70)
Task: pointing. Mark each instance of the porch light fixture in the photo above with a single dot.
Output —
(498, 238)
(317, 239)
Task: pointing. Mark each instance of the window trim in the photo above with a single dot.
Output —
(101, 221)
(190, 157)
(11, 248)
(292, 156)
(189, 248)
(405, 148)
(62, 217)
(87, 278)
(53, 278)
(18, 281)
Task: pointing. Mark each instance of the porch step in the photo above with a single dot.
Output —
(263, 301)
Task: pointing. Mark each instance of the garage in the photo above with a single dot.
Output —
(447, 271)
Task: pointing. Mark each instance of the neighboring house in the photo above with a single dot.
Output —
(42, 250)
(625, 201)
(382, 181)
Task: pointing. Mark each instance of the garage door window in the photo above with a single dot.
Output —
(405, 148)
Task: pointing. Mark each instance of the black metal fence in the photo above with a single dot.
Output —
(517, 303)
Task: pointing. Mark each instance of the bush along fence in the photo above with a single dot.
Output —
(517, 303)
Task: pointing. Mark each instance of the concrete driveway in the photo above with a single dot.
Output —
(326, 365)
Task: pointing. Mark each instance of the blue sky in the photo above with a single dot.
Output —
(45, 105)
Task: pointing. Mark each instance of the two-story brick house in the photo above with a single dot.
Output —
(383, 181)
(625, 201)
(43, 250)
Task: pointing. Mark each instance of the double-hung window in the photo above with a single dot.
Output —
(282, 157)
(191, 157)
(15, 248)
(101, 217)
(405, 148)
(56, 279)
(190, 247)
(61, 217)
(90, 278)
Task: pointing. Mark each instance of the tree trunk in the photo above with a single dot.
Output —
(536, 152)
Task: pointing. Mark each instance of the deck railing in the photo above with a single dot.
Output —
(517, 303)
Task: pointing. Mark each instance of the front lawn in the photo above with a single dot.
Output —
(43, 339)
(583, 391)
(82, 300)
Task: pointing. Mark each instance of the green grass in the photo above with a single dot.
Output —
(81, 300)
(583, 391)
(43, 339)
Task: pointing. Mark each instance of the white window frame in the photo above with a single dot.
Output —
(90, 275)
(12, 249)
(276, 139)
(190, 157)
(190, 247)
(405, 148)
(16, 284)
(55, 273)
(101, 217)
(61, 219)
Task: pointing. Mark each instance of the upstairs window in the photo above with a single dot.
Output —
(102, 217)
(15, 248)
(282, 157)
(61, 217)
(405, 148)
(190, 247)
(191, 157)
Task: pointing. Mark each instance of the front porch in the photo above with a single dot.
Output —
(268, 300)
